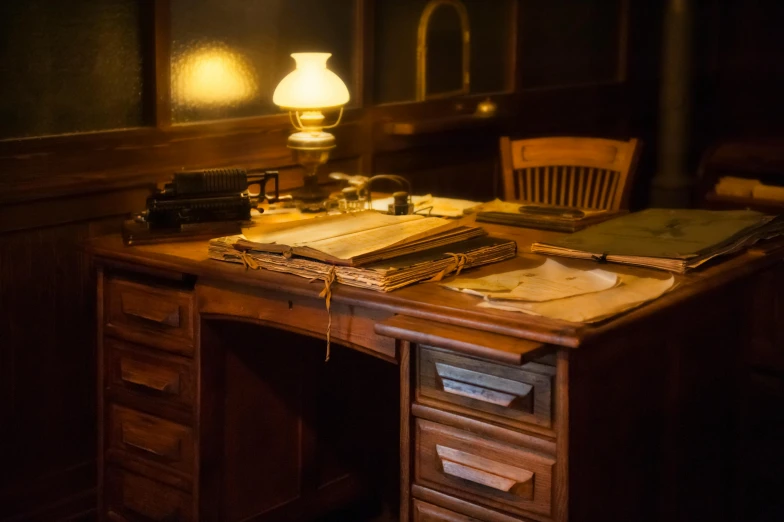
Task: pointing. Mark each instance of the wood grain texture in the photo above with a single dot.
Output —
(538, 441)
(407, 365)
(153, 315)
(482, 470)
(309, 442)
(439, 305)
(561, 414)
(424, 512)
(506, 394)
(133, 497)
(149, 374)
(47, 327)
(457, 505)
(351, 325)
(463, 340)
(147, 437)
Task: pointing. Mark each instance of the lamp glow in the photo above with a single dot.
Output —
(305, 92)
(213, 76)
(311, 86)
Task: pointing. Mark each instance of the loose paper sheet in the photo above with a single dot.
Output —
(632, 292)
(548, 281)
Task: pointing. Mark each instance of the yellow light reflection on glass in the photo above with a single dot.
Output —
(213, 76)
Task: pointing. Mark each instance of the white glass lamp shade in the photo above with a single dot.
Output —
(311, 86)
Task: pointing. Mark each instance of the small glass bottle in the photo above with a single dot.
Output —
(350, 200)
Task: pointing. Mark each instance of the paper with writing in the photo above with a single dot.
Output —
(357, 238)
(548, 281)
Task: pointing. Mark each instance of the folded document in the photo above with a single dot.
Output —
(561, 292)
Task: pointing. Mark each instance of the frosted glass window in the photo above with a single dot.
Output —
(228, 55)
(69, 66)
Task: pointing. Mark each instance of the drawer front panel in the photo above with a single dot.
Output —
(424, 512)
(482, 470)
(520, 395)
(133, 498)
(160, 317)
(151, 438)
(349, 324)
(161, 377)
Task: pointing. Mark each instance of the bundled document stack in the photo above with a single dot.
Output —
(358, 238)
(666, 239)
(365, 249)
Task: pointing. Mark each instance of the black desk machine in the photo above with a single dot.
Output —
(200, 203)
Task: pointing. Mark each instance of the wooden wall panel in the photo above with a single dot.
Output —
(47, 349)
(47, 370)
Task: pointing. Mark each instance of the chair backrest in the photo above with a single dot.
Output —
(573, 172)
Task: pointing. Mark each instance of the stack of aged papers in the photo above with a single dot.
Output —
(561, 292)
(383, 276)
(666, 239)
(358, 238)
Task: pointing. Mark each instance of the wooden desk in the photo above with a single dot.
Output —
(503, 416)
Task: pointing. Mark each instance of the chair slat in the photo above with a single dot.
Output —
(589, 172)
(586, 187)
(562, 179)
(546, 181)
(595, 189)
(613, 188)
(571, 184)
(606, 178)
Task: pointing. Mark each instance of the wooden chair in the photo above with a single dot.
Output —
(574, 172)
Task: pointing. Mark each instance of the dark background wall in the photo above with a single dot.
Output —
(582, 68)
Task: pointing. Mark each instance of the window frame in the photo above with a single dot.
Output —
(51, 166)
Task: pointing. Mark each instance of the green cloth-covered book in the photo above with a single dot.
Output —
(669, 239)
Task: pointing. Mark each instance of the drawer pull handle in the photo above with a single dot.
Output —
(481, 386)
(486, 472)
(149, 310)
(166, 448)
(132, 374)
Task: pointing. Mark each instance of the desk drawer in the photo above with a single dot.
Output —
(152, 315)
(483, 471)
(131, 498)
(151, 438)
(147, 373)
(424, 512)
(508, 394)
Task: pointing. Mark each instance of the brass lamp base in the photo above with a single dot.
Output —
(311, 149)
(311, 197)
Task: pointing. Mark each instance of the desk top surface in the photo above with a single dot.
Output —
(432, 302)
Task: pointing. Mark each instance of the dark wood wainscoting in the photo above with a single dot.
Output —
(47, 362)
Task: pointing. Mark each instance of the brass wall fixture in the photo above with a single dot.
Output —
(424, 23)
